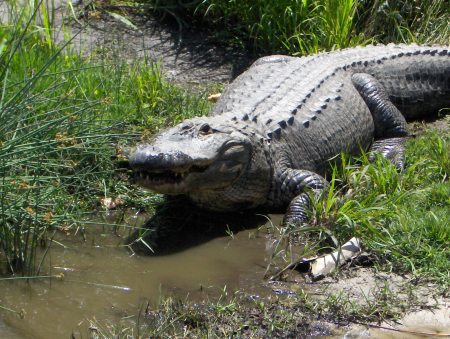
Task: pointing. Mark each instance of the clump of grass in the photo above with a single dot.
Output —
(295, 27)
(241, 315)
(50, 145)
(159, 103)
(411, 234)
(303, 27)
(181, 318)
(405, 20)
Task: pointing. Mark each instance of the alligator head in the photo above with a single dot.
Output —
(203, 158)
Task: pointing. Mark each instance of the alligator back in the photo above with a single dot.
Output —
(417, 78)
(310, 106)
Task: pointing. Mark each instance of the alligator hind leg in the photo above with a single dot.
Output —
(390, 124)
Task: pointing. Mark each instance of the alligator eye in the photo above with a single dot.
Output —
(205, 129)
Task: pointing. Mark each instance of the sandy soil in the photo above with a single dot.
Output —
(429, 316)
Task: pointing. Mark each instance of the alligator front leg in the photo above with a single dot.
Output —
(390, 124)
(295, 186)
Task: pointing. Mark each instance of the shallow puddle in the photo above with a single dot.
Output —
(102, 280)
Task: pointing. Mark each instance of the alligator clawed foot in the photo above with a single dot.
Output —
(392, 149)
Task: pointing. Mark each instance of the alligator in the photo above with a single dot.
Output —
(268, 140)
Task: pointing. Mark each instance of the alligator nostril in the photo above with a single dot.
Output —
(127, 151)
(186, 125)
(145, 158)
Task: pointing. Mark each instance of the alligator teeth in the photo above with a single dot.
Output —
(167, 177)
(159, 178)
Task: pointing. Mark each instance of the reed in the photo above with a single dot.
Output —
(49, 145)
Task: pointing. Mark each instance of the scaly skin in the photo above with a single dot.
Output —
(270, 136)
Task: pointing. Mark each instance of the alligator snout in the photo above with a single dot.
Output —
(151, 161)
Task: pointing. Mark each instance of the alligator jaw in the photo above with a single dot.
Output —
(167, 178)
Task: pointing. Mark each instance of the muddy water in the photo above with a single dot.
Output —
(103, 281)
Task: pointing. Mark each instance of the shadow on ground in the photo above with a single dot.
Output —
(186, 56)
(178, 225)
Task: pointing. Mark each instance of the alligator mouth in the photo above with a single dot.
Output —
(167, 177)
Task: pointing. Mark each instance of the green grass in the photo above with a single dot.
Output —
(242, 315)
(294, 27)
(50, 144)
(308, 26)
